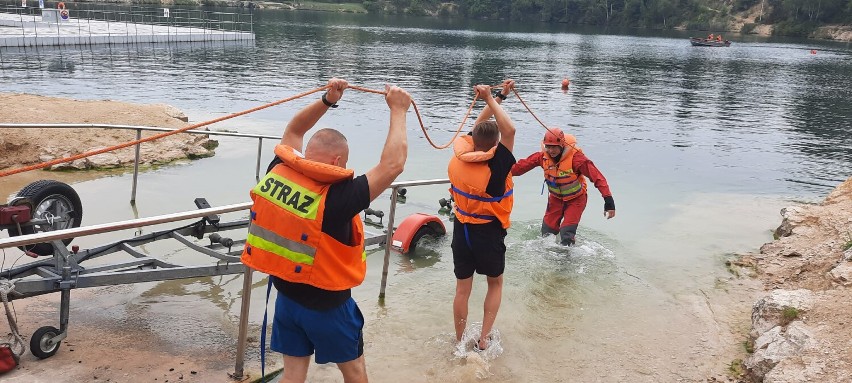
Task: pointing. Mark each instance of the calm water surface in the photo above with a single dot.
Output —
(701, 147)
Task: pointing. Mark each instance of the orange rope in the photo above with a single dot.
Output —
(539, 120)
(420, 119)
(291, 98)
(154, 137)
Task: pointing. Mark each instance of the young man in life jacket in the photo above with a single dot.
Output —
(565, 171)
(306, 234)
(481, 185)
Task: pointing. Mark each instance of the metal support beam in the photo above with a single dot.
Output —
(242, 337)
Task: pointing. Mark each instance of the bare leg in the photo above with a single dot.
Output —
(492, 305)
(354, 371)
(463, 287)
(295, 369)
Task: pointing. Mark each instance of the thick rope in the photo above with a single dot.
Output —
(539, 120)
(154, 137)
(291, 98)
(420, 119)
(6, 287)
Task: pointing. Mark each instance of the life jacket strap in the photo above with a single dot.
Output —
(480, 198)
(474, 215)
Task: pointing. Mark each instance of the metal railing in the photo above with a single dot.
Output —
(191, 21)
(188, 18)
(139, 129)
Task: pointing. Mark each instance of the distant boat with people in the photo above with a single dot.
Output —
(710, 41)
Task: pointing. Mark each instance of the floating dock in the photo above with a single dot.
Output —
(61, 27)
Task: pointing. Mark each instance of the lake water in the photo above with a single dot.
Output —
(701, 147)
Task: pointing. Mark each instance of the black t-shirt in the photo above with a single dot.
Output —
(345, 200)
(500, 165)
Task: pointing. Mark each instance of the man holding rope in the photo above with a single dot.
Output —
(481, 185)
(307, 234)
(565, 171)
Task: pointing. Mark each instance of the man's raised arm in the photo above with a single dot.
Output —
(395, 151)
(305, 119)
(486, 113)
(504, 123)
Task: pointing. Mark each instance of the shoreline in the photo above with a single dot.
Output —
(799, 328)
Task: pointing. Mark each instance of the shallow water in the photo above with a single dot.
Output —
(701, 147)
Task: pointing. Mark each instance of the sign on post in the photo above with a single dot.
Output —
(41, 4)
(165, 12)
(23, 3)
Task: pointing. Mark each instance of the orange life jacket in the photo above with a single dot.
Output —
(560, 178)
(285, 237)
(469, 174)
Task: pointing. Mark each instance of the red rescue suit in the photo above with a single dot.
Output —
(567, 195)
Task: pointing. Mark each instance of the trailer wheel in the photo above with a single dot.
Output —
(40, 343)
(49, 200)
(423, 231)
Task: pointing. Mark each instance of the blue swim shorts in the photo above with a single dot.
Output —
(336, 335)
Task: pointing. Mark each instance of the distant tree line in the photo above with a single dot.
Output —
(791, 17)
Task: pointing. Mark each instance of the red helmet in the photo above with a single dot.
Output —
(554, 136)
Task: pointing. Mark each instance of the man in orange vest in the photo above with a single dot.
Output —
(481, 185)
(307, 234)
(565, 171)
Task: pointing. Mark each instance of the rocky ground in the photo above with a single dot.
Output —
(802, 328)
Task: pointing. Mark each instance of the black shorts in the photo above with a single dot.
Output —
(478, 248)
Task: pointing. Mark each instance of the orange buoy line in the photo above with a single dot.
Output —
(219, 119)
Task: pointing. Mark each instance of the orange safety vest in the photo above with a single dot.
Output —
(285, 237)
(469, 174)
(560, 178)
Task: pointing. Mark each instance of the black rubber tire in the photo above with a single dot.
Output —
(39, 344)
(421, 232)
(42, 193)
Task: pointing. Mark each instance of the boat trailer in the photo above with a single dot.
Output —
(44, 223)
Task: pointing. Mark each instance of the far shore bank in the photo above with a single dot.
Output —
(745, 23)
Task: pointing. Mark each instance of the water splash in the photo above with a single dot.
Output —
(547, 251)
(478, 360)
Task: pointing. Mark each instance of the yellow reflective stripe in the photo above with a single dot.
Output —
(562, 190)
(270, 236)
(288, 195)
(364, 255)
(260, 243)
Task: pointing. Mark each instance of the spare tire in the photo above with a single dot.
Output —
(49, 200)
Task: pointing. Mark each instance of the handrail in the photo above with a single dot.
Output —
(135, 127)
(115, 226)
(139, 130)
(391, 216)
